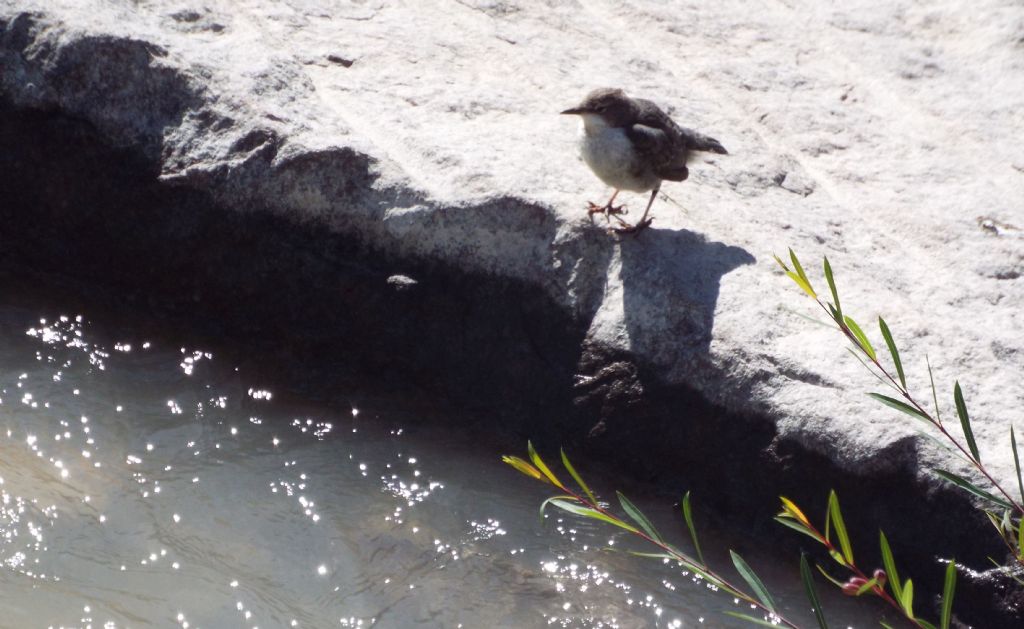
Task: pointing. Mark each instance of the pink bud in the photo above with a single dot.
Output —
(851, 587)
(881, 577)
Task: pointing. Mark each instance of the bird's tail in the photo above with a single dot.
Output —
(699, 142)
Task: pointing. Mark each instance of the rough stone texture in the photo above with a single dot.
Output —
(885, 135)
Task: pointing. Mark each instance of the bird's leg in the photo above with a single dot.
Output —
(643, 223)
(606, 209)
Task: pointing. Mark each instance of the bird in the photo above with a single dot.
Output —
(631, 144)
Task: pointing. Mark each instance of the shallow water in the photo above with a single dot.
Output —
(146, 482)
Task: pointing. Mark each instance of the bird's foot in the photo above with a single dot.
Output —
(626, 228)
(608, 210)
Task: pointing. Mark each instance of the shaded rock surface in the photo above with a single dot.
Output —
(424, 137)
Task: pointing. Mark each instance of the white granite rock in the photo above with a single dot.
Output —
(884, 135)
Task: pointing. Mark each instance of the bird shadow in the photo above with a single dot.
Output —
(670, 281)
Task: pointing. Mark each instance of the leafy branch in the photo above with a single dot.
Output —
(1011, 509)
(901, 593)
(584, 503)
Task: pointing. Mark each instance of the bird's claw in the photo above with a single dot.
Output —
(607, 210)
(626, 228)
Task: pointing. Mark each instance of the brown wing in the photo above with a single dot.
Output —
(661, 149)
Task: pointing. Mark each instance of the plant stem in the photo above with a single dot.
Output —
(934, 422)
(687, 561)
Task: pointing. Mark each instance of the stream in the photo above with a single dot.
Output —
(146, 482)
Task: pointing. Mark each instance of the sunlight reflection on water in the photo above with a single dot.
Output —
(147, 484)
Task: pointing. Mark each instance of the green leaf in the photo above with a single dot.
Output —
(542, 467)
(890, 566)
(576, 477)
(924, 623)
(1016, 462)
(1020, 539)
(802, 284)
(996, 522)
(887, 335)
(653, 555)
(965, 421)
(753, 581)
(862, 338)
(688, 516)
(524, 467)
(837, 521)
(907, 599)
(868, 585)
(935, 396)
(947, 594)
(798, 267)
(838, 314)
(812, 594)
(963, 483)
(885, 624)
(781, 263)
(901, 406)
(752, 619)
(568, 503)
(638, 517)
(835, 582)
(796, 526)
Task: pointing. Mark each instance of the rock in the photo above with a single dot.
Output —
(434, 136)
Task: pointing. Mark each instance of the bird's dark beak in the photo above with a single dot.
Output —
(574, 111)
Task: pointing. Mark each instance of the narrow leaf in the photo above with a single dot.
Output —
(965, 421)
(1020, 540)
(907, 599)
(798, 267)
(828, 576)
(753, 619)
(788, 506)
(901, 406)
(802, 284)
(543, 467)
(562, 502)
(524, 467)
(576, 477)
(935, 396)
(947, 594)
(688, 516)
(837, 521)
(890, 566)
(871, 370)
(868, 585)
(891, 344)
(963, 483)
(638, 517)
(781, 263)
(796, 526)
(996, 522)
(862, 338)
(812, 594)
(832, 287)
(753, 581)
(653, 555)
(1016, 462)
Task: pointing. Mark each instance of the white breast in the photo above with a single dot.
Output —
(610, 154)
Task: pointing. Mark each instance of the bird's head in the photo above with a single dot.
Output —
(610, 106)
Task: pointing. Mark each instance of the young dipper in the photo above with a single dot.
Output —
(631, 144)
